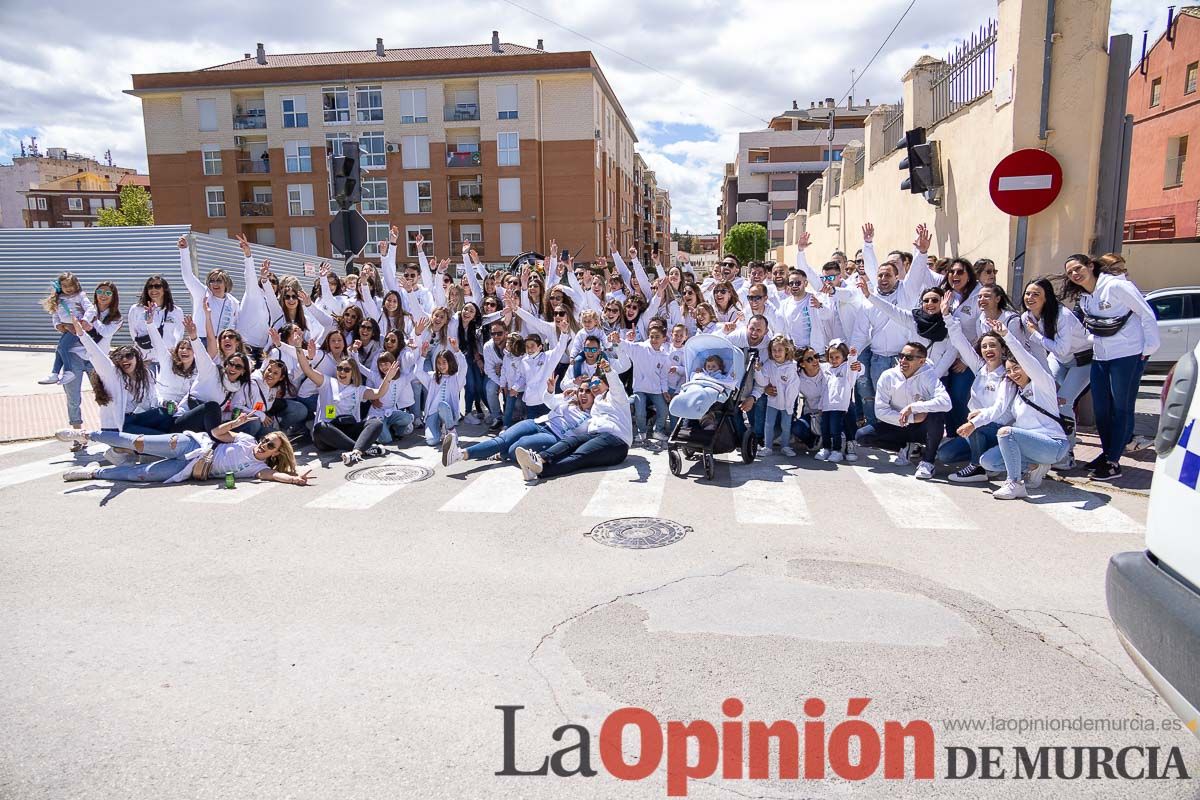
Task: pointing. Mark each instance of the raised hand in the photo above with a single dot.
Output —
(466, 246)
(868, 230)
(265, 269)
(424, 349)
(312, 349)
(393, 234)
(474, 256)
(189, 326)
(182, 243)
(393, 371)
(453, 344)
(274, 336)
(355, 346)
(614, 337)
(864, 286)
(803, 239)
(924, 238)
(150, 309)
(553, 249)
(383, 248)
(244, 243)
(419, 241)
(998, 327)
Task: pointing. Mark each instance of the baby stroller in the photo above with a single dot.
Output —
(705, 407)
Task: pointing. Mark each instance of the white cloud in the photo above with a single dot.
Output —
(740, 63)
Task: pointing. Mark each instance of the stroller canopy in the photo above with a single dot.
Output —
(701, 346)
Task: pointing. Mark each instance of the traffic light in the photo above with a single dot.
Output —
(347, 182)
(921, 163)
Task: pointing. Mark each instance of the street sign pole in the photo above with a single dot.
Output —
(1018, 263)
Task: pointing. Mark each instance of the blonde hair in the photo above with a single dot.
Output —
(789, 349)
(284, 459)
(50, 303)
(355, 372)
(590, 315)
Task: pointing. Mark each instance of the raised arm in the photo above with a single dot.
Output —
(303, 357)
(97, 355)
(1038, 374)
(965, 351)
(388, 377)
(901, 316)
(249, 276)
(469, 271)
(387, 260)
(194, 287)
(870, 260)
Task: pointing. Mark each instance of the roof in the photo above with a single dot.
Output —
(78, 182)
(805, 137)
(787, 166)
(369, 56)
(822, 112)
(134, 180)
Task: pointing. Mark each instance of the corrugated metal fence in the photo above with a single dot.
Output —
(30, 260)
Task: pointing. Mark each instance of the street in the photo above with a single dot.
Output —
(350, 639)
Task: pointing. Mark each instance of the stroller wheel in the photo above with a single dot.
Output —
(749, 447)
(710, 467)
(675, 461)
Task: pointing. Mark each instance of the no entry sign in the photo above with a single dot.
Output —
(1026, 182)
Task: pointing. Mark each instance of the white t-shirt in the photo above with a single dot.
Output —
(343, 400)
(236, 457)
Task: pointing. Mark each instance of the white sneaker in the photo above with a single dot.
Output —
(788, 451)
(450, 449)
(1011, 490)
(49, 379)
(530, 462)
(1036, 474)
(766, 452)
(1136, 443)
(924, 471)
(407, 429)
(71, 435)
(472, 419)
(901, 458)
(81, 473)
(66, 377)
(119, 456)
(351, 457)
(835, 456)
(823, 454)
(851, 452)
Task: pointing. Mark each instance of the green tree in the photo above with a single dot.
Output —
(748, 241)
(133, 209)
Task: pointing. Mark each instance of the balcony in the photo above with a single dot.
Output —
(253, 209)
(463, 158)
(251, 166)
(462, 112)
(255, 118)
(466, 202)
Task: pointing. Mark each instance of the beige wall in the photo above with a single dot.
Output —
(975, 138)
(1159, 265)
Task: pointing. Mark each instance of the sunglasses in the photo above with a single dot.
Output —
(809, 358)
(720, 291)
(364, 327)
(829, 278)
(958, 272)
(104, 293)
(560, 313)
(983, 270)
(154, 285)
(128, 357)
(910, 357)
(343, 370)
(291, 297)
(931, 300)
(237, 367)
(795, 283)
(229, 336)
(754, 298)
(216, 282)
(591, 349)
(859, 261)
(728, 264)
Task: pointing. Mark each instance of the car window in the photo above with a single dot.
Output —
(1168, 307)
(1191, 308)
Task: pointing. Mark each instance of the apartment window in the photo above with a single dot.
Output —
(510, 238)
(372, 149)
(38, 203)
(506, 101)
(222, 232)
(297, 156)
(304, 240)
(94, 205)
(32, 202)
(410, 236)
(414, 152)
(207, 109)
(374, 196)
(265, 236)
(110, 202)
(418, 197)
(413, 106)
(1155, 92)
(369, 102)
(759, 156)
(472, 233)
(1189, 80)
(210, 156)
(783, 185)
(780, 213)
(300, 200)
(334, 142)
(376, 232)
(1176, 156)
(335, 104)
(75, 204)
(78, 223)
(508, 149)
(510, 194)
(215, 199)
(295, 112)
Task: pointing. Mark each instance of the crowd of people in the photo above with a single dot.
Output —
(560, 366)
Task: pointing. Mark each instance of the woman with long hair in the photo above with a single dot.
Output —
(167, 318)
(124, 389)
(341, 425)
(471, 340)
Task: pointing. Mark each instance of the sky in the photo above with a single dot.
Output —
(690, 74)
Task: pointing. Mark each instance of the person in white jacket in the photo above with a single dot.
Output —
(223, 306)
(254, 313)
(839, 393)
(1036, 438)
(910, 406)
(986, 359)
(651, 366)
(776, 377)
(443, 391)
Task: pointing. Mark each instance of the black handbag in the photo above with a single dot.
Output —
(1105, 326)
(1084, 358)
(1067, 424)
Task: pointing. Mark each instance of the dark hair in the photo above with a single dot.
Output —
(469, 332)
(828, 265)
(290, 284)
(1072, 290)
(920, 348)
(451, 363)
(138, 384)
(1005, 302)
(177, 364)
(591, 337)
(972, 280)
(246, 367)
(285, 383)
(736, 260)
(534, 337)
(356, 311)
(1051, 308)
(376, 334)
(1005, 353)
(168, 303)
(113, 314)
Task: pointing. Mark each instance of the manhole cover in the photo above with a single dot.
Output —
(389, 474)
(639, 533)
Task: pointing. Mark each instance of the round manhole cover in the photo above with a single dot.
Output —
(639, 533)
(389, 474)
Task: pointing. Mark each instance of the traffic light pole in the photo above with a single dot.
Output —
(350, 268)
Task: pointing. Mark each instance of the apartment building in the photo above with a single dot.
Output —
(817, 115)
(75, 201)
(35, 168)
(504, 145)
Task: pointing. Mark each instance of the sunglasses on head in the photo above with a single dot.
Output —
(910, 357)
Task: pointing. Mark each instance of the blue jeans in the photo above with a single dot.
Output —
(1017, 449)
(803, 429)
(776, 422)
(491, 396)
(172, 448)
(294, 415)
(833, 424)
(640, 400)
(74, 389)
(758, 418)
(394, 423)
(971, 448)
(511, 406)
(873, 366)
(598, 450)
(1071, 379)
(958, 386)
(418, 405)
(436, 425)
(65, 342)
(474, 390)
(149, 422)
(526, 433)
(1114, 394)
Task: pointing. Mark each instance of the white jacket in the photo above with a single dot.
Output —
(923, 391)
(783, 378)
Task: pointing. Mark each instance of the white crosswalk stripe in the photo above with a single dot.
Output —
(16, 447)
(914, 504)
(496, 491)
(217, 493)
(635, 489)
(1082, 511)
(55, 465)
(360, 496)
(770, 495)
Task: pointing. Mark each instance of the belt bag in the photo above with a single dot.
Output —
(1105, 326)
(143, 341)
(1067, 424)
(1084, 358)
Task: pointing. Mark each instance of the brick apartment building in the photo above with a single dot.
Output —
(75, 201)
(505, 145)
(36, 168)
(1164, 98)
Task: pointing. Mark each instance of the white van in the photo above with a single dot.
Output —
(1154, 595)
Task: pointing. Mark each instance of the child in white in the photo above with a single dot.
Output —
(650, 366)
(443, 388)
(839, 384)
(778, 380)
(66, 303)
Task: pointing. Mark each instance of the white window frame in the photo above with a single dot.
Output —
(307, 243)
(213, 203)
(377, 231)
(508, 228)
(508, 156)
(94, 205)
(297, 156)
(210, 159)
(374, 196)
(513, 186)
(374, 157)
(469, 187)
(414, 152)
(418, 197)
(365, 107)
(203, 103)
(501, 101)
(471, 231)
(339, 114)
(410, 231)
(298, 116)
(417, 102)
(75, 204)
(300, 200)
(110, 202)
(333, 144)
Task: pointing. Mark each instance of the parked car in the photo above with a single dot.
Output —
(1154, 594)
(1178, 312)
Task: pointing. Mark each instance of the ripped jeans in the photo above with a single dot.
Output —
(172, 448)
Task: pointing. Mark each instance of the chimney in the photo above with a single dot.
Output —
(1170, 24)
(262, 54)
(246, 56)
(850, 101)
(379, 48)
(496, 42)
(541, 45)
(795, 106)
(829, 102)
(867, 102)
(812, 104)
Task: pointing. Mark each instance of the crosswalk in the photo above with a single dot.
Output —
(772, 492)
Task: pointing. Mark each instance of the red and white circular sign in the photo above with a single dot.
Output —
(1026, 182)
